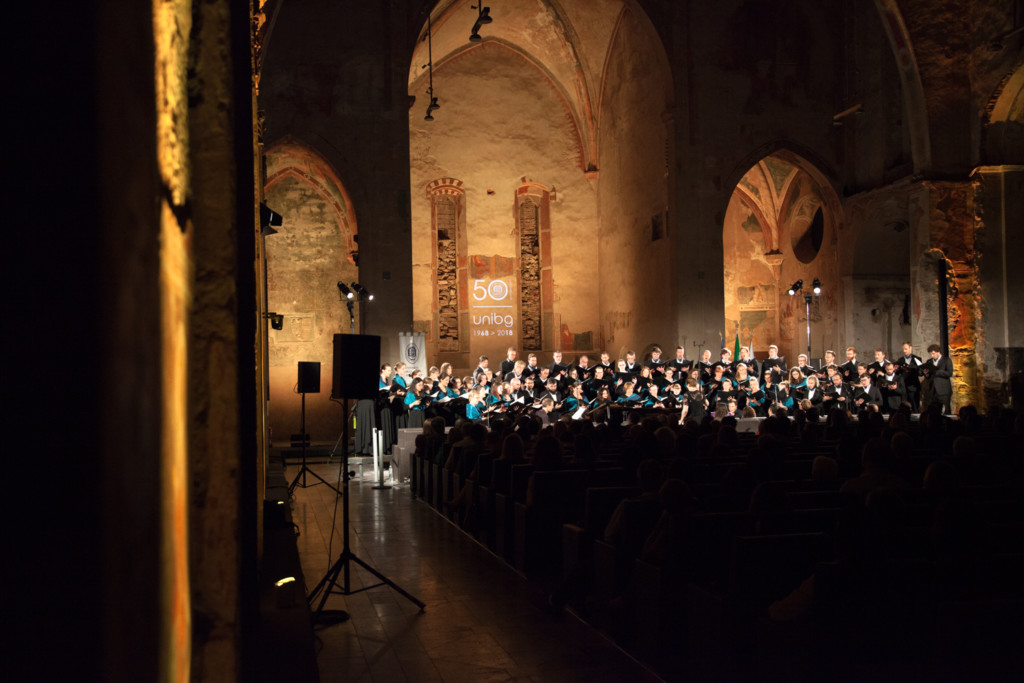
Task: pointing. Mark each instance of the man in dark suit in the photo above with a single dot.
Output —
(893, 388)
(509, 363)
(909, 366)
(849, 368)
(557, 368)
(655, 362)
(867, 394)
(583, 369)
(681, 363)
(940, 371)
(877, 367)
(837, 395)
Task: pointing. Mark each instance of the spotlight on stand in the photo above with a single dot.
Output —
(345, 291)
(276, 320)
(798, 286)
(268, 219)
(362, 292)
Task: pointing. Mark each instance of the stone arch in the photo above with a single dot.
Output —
(773, 202)
(289, 158)
(1003, 131)
(914, 106)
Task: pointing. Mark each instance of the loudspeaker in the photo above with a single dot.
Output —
(356, 366)
(309, 377)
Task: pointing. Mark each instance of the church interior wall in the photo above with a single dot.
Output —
(635, 264)
(347, 99)
(483, 93)
(305, 261)
(749, 78)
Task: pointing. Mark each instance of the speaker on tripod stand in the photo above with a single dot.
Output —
(356, 359)
(308, 383)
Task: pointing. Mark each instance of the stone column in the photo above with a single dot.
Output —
(944, 231)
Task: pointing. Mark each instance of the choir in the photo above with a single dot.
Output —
(743, 387)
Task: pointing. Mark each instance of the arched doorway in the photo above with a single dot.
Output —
(780, 227)
(315, 248)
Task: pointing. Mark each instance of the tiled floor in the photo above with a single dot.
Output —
(482, 621)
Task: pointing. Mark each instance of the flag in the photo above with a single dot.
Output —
(736, 354)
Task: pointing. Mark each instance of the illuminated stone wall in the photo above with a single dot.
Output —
(780, 227)
(305, 261)
(470, 139)
(636, 261)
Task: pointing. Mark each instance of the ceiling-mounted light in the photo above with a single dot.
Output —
(817, 286)
(433, 105)
(795, 287)
(345, 291)
(483, 17)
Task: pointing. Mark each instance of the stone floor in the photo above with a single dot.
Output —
(482, 621)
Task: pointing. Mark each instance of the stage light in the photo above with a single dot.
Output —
(796, 287)
(276, 320)
(483, 17)
(362, 291)
(268, 218)
(285, 580)
(817, 286)
(433, 106)
(346, 292)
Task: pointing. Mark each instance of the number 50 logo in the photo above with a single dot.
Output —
(497, 290)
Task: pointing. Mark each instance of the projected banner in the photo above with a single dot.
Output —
(492, 307)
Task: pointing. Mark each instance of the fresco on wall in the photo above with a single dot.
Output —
(766, 249)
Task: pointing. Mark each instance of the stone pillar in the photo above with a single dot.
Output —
(1000, 213)
(944, 231)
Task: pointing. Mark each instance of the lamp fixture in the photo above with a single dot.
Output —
(362, 291)
(433, 105)
(483, 17)
(798, 286)
(268, 219)
(345, 291)
(276, 320)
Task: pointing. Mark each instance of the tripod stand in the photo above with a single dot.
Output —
(305, 469)
(329, 584)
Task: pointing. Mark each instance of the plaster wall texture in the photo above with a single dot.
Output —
(305, 261)
(501, 121)
(636, 271)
